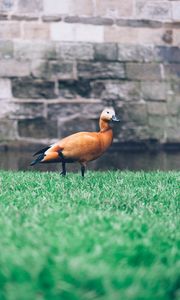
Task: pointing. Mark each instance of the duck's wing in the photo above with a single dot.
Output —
(83, 146)
(47, 154)
(53, 154)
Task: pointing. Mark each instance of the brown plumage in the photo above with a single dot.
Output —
(82, 146)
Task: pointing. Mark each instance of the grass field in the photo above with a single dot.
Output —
(111, 236)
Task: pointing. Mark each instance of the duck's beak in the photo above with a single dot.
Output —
(115, 119)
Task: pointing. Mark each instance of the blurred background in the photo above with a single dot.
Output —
(62, 62)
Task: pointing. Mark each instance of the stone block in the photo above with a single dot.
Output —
(74, 109)
(172, 71)
(168, 54)
(34, 50)
(171, 124)
(174, 99)
(52, 7)
(156, 128)
(133, 124)
(76, 32)
(156, 36)
(123, 35)
(139, 23)
(176, 37)
(6, 49)
(175, 10)
(76, 125)
(99, 90)
(176, 87)
(157, 108)
(134, 35)
(8, 129)
(9, 30)
(155, 90)
(130, 135)
(90, 20)
(12, 68)
(52, 18)
(73, 51)
(160, 10)
(52, 70)
(136, 113)
(101, 70)
(174, 107)
(95, 33)
(136, 53)
(5, 89)
(37, 128)
(34, 30)
(172, 134)
(62, 32)
(115, 90)
(114, 8)
(29, 110)
(156, 121)
(6, 5)
(33, 88)
(141, 133)
(105, 52)
(172, 121)
(25, 17)
(7, 108)
(26, 6)
(82, 8)
(74, 88)
(3, 16)
(61, 70)
(143, 71)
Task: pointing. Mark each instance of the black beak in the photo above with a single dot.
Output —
(115, 119)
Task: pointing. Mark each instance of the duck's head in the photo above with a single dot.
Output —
(107, 118)
(108, 115)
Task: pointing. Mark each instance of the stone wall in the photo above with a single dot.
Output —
(61, 62)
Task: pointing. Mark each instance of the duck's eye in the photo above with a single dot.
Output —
(107, 112)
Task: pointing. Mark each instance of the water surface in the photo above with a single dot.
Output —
(134, 161)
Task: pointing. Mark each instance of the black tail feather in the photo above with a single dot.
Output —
(41, 151)
(37, 160)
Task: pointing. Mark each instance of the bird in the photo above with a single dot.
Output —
(80, 147)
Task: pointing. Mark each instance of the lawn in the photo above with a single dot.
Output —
(111, 236)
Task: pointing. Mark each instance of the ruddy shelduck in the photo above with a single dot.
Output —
(80, 147)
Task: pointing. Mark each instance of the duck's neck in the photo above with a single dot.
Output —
(104, 126)
(106, 134)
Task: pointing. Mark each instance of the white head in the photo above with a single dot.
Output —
(108, 115)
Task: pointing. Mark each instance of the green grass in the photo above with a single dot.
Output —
(113, 235)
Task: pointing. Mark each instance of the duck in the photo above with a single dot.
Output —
(81, 147)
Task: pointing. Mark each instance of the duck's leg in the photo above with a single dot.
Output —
(63, 173)
(83, 169)
(63, 169)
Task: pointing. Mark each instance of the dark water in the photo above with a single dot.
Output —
(109, 161)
